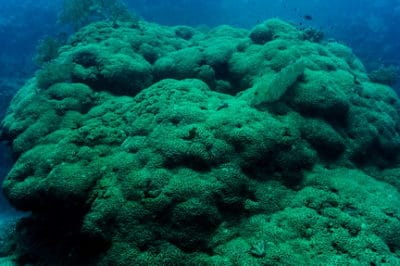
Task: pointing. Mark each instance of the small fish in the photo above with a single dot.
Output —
(307, 17)
(222, 106)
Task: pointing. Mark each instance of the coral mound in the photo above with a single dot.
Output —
(154, 145)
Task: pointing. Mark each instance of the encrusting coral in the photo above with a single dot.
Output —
(154, 149)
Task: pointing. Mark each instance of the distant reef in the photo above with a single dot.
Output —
(141, 144)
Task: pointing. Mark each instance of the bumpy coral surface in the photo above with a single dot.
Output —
(157, 145)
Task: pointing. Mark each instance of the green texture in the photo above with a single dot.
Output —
(152, 148)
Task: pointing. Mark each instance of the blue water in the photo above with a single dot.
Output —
(369, 27)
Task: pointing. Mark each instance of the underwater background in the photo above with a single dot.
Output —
(358, 110)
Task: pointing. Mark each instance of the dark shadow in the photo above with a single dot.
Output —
(5, 166)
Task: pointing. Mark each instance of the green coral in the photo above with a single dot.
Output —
(269, 89)
(80, 13)
(53, 73)
(152, 148)
(387, 75)
(47, 50)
